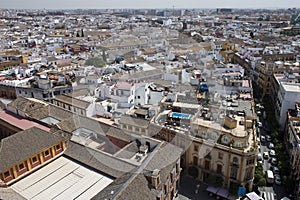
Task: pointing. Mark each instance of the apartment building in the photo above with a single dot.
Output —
(292, 140)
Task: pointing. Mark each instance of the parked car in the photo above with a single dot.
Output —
(266, 155)
(272, 153)
(262, 138)
(271, 145)
(277, 179)
(268, 137)
(259, 124)
(274, 161)
(274, 169)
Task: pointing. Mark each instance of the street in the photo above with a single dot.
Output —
(271, 191)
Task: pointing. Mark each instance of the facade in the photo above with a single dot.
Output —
(292, 140)
(80, 107)
(288, 94)
(265, 72)
(8, 92)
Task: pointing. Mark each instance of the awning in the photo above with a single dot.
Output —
(222, 192)
(212, 189)
(253, 196)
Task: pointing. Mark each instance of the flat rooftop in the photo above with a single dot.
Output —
(62, 179)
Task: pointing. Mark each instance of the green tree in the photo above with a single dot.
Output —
(97, 62)
(262, 182)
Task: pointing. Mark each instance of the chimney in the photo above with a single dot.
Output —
(154, 178)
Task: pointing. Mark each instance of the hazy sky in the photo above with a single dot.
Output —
(98, 4)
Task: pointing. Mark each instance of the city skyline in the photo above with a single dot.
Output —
(135, 4)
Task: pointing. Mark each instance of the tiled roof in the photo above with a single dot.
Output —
(164, 160)
(100, 161)
(25, 105)
(76, 121)
(133, 121)
(24, 144)
(72, 101)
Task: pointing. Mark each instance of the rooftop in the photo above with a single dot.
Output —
(20, 122)
(24, 144)
(62, 179)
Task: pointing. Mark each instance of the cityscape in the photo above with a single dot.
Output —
(150, 103)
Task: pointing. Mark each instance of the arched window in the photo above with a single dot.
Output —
(225, 139)
(235, 160)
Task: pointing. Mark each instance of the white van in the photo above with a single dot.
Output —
(270, 176)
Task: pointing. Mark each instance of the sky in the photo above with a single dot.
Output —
(100, 4)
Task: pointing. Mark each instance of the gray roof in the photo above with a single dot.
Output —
(129, 151)
(100, 161)
(24, 144)
(118, 133)
(134, 121)
(164, 160)
(72, 101)
(75, 122)
(26, 105)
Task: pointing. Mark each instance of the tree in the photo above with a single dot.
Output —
(97, 62)
(262, 182)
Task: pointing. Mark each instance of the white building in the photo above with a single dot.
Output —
(288, 95)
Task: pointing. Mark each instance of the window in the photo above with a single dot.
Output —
(206, 164)
(46, 153)
(214, 136)
(139, 97)
(196, 148)
(6, 174)
(19, 91)
(203, 133)
(248, 174)
(219, 169)
(233, 173)
(220, 155)
(57, 147)
(21, 166)
(235, 160)
(195, 160)
(225, 139)
(250, 162)
(34, 159)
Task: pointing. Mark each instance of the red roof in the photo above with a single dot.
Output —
(20, 122)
